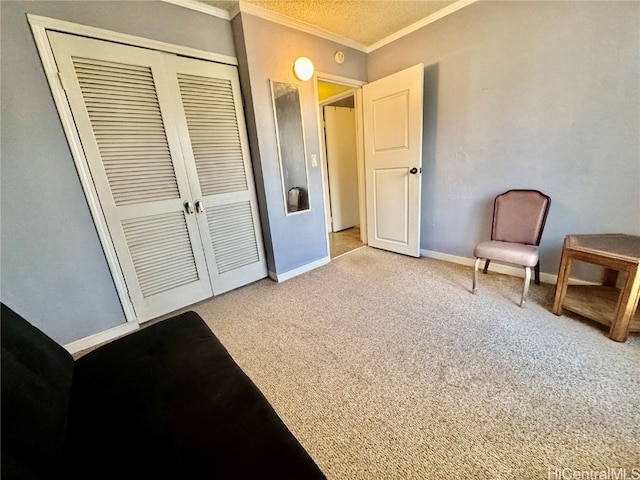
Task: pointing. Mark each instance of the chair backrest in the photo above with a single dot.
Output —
(519, 216)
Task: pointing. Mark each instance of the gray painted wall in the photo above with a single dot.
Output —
(541, 95)
(53, 268)
(267, 50)
(517, 95)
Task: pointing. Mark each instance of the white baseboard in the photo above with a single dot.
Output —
(101, 337)
(499, 268)
(281, 277)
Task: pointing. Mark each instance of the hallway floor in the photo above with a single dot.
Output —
(344, 241)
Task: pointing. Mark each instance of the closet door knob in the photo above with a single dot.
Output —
(199, 207)
(188, 207)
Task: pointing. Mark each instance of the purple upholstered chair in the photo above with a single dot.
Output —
(518, 221)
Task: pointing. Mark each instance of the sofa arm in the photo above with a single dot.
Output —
(36, 384)
(168, 401)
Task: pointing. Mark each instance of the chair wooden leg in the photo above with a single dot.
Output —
(537, 272)
(475, 276)
(486, 265)
(525, 290)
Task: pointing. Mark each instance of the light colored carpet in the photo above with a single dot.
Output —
(387, 367)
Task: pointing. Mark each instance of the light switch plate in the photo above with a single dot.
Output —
(314, 160)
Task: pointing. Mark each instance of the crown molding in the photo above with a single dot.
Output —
(235, 11)
(298, 25)
(202, 8)
(454, 7)
(280, 19)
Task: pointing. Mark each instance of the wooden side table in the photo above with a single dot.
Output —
(604, 303)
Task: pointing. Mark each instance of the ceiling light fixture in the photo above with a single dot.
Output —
(303, 68)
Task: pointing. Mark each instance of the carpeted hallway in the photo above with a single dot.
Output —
(386, 367)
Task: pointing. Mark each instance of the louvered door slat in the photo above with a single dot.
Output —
(220, 139)
(151, 151)
(160, 252)
(229, 151)
(122, 139)
(152, 252)
(120, 115)
(214, 134)
(127, 124)
(222, 168)
(221, 90)
(142, 237)
(125, 127)
(222, 161)
(98, 81)
(221, 153)
(111, 112)
(141, 176)
(97, 88)
(102, 71)
(157, 266)
(232, 235)
(211, 115)
(122, 105)
(202, 110)
(147, 163)
(111, 96)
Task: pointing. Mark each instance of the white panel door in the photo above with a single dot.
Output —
(216, 151)
(123, 112)
(340, 133)
(393, 159)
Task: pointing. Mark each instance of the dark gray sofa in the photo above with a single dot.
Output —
(167, 401)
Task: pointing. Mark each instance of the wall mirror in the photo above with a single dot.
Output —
(291, 147)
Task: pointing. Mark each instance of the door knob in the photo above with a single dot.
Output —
(188, 207)
(199, 207)
(414, 170)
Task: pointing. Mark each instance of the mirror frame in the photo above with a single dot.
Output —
(279, 141)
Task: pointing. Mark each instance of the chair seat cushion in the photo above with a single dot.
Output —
(517, 253)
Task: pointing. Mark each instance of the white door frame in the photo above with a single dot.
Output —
(357, 92)
(342, 165)
(39, 27)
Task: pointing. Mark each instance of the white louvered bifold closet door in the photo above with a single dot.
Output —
(127, 109)
(215, 145)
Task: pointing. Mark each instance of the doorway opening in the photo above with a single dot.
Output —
(340, 115)
(344, 241)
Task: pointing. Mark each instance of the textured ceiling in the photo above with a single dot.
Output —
(363, 21)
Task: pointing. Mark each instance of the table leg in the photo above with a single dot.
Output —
(561, 283)
(627, 305)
